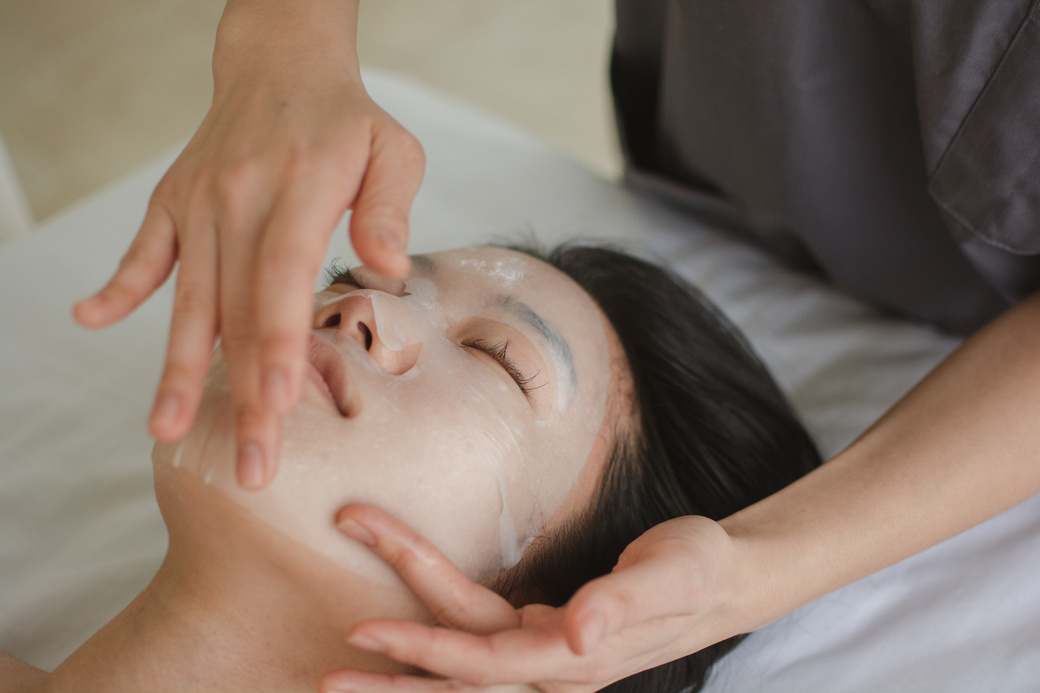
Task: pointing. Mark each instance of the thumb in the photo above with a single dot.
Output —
(671, 570)
(379, 224)
(613, 602)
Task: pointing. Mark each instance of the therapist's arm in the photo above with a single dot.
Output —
(18, 677)
(291, 142)
(961, 447)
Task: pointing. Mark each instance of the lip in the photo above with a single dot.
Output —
(328, 371)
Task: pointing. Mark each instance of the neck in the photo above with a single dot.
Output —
(231, 619)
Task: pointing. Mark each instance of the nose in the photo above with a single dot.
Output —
(392, 344)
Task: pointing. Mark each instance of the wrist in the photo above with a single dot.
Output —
(755, 596)
(298, 35)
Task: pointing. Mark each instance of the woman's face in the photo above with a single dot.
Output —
(467, 400)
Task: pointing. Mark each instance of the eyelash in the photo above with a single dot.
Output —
(500, 352)
(339, 273)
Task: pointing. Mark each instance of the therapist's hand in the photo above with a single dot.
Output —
(291, 142)
(670, 595)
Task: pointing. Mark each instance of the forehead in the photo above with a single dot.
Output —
(509, 269)
(510, 282)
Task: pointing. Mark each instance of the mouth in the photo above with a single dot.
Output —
(327, 370)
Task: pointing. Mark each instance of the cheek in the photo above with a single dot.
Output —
(209, 446)
(431, 448)
(437, 476)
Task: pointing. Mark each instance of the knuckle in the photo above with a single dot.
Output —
(300, 161)
(239, 337)
(280, 345)
(181, 372)
(397, 553)
(410, 149)
(239, 347)
(454, 615)
(198, 196)
(619, 604)
(122, 287)
(247, 420)
(233, 189)
(194, 302)
(136, 255)
(237, 176)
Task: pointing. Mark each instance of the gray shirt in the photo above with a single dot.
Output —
(891, 145)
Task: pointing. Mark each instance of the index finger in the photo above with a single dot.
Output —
(269, 293)
(288, 260)
(526, 654)
(454, 599)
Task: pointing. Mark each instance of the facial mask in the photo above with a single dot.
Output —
(449, 444)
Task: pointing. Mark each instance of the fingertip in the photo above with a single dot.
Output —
(355, 530)
(366, 524)
(586, 622)
(382, 250)
(353, 681)
(590, 632)
(368, 515)
(366, 642)
(259, 438)
(389, 264)
(81, 316)
(86, 311)
(336, 682)
(396, 266)
(164, 422)
(251, 468)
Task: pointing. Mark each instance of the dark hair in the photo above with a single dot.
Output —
(713, 435)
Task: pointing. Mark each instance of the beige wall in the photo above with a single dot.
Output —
(89, 90)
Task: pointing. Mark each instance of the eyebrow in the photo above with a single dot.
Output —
(558, 346)
(424, 265)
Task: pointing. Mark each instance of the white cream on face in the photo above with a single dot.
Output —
(441, 436)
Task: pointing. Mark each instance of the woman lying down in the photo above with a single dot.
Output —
(530, 416)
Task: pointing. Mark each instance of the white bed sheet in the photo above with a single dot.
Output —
(80, 533)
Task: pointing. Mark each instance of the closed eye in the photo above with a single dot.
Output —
(500, 352)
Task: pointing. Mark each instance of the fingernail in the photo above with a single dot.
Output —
(166, 409)
(363, 642)
(352, 528)
(345, 688)
(276, 389)
(251, 467)
(593, 631)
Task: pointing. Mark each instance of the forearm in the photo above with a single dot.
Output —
(18, 677)
(961, 447)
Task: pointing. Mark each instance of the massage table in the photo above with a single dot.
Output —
(80, 533)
